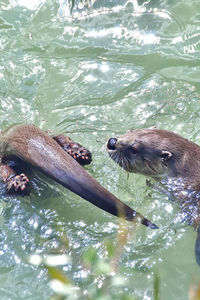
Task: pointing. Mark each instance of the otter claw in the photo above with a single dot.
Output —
(18, 184)
(75, 150)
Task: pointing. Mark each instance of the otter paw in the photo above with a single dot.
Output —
(79, 153)
(18, 184)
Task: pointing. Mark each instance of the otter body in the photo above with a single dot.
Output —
(169, 158)
(35, 147)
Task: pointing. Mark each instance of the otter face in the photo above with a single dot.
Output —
(141, 151)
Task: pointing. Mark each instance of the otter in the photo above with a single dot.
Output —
(170, 159)
(51, 155)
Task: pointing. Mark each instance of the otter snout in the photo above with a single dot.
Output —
(111, 145)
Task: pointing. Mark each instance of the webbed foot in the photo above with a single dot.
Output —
(14, 183)
(18, 184)
(82, 155)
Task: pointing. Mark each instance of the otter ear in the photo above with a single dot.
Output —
(166, 155)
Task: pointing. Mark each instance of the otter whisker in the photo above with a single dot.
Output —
(150, 167)
(169, 158)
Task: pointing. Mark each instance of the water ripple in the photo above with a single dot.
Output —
(95, 73)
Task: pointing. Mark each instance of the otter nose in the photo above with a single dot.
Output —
(111, 143)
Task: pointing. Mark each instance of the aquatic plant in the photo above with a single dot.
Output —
(104, 279)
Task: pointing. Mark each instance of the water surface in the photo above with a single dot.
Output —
(94, 74)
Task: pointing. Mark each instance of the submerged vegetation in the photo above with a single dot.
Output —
(103, 276)
(102, 280)
(95, 69)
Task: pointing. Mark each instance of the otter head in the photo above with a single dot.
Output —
(146, 151)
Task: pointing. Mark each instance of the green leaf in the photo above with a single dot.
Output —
(57, 274)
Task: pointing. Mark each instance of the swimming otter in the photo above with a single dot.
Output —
(168, 158)
(33, 146)
(19, 183)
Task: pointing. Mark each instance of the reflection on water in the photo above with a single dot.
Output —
(96, 73)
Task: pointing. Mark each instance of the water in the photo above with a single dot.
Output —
(116, 66)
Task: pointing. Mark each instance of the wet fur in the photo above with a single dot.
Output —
(36, 148)
(169, 158)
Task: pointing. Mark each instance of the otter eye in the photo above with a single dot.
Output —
(135, 147)
(133, 150)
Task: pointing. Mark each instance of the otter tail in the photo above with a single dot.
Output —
(197, 247)
(35, 147)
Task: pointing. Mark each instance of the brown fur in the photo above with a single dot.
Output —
(185, 160)
(35, 147)
(169, 158)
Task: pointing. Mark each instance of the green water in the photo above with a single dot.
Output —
(117, 66)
